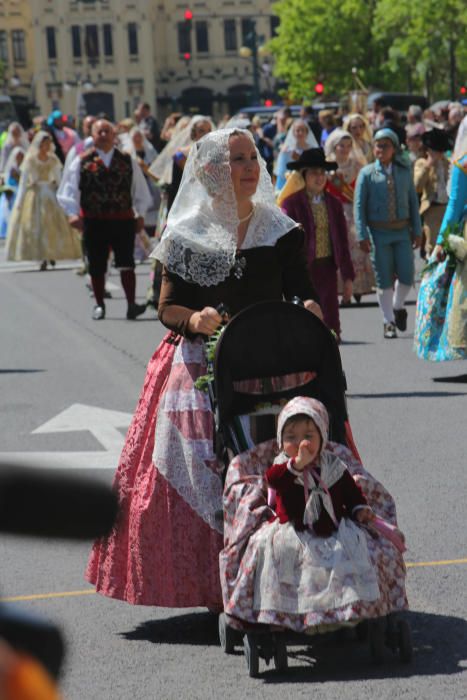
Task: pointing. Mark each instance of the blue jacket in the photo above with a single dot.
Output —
(371, 198)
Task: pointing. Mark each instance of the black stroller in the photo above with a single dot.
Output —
(267, 354)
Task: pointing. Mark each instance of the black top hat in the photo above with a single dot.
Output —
(312, 158)
(437, 140)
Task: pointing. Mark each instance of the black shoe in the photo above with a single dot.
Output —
(107, 294)
(400, 316)
(135, 310)
(390, 330)
(98, 313)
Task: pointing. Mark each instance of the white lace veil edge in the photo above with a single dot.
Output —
(290, 142)
(11, 161)
(199, 243)
(181, 138)
(33, 150)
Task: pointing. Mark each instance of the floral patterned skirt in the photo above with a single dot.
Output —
(441, 316)
(249, 536)
(165, 547)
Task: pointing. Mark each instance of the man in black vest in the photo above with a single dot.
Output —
(105, 196)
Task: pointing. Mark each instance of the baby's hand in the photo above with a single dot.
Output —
(306, 455)
(365, 515)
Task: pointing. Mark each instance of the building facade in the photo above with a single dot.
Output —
(91, 56)
(16, 53)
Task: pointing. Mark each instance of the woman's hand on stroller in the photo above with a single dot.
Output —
(306, 454)
(314, 307)
(204, 322)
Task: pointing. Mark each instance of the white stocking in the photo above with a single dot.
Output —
(400, 294)
(385, 303)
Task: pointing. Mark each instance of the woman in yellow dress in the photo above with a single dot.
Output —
(38, 228)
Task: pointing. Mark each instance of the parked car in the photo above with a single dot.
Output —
(266, 113)
(399, 101)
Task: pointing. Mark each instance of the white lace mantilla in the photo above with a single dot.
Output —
(183, 463)
(199, 243)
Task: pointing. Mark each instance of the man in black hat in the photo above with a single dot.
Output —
(431, 177)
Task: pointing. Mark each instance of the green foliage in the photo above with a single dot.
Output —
(210, 345)
(395, 46)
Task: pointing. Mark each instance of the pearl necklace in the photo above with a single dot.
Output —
(245, 218)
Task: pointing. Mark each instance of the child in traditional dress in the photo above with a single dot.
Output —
(326, 238)
(314, 555)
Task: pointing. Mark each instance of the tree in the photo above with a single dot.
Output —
(411, 46)
(427, 39)
(323, 40)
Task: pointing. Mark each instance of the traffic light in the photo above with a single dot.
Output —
(268, 103)
(463, 90)
(188, 16)
(319, 88)
(187, 57)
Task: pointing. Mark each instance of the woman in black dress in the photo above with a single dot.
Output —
(226, 241)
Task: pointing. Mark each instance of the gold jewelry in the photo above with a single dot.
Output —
(245, 218)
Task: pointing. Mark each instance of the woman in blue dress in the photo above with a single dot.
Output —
(10, 187)
(441, 321)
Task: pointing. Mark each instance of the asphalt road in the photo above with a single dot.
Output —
(408, 419)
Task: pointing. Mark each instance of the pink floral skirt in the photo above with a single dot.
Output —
(164, 549)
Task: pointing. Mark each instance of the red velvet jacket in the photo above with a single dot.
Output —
(297, 207)
(290, 499)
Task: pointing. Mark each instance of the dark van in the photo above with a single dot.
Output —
(400, 101)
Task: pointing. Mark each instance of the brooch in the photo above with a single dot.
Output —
(239, 266)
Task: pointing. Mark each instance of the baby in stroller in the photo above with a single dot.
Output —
(318, 558)
(313, 556)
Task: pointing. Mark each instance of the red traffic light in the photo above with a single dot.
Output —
(463, 90)
(268, 103)
(187, 56)
(188, 15)
(319, 88)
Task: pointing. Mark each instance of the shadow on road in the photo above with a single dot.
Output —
(408, 395)
(456, 379)
(21, 371)
(439, 642)
(193, 628)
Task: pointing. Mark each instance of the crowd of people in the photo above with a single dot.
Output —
(240, 213)
(366, 189)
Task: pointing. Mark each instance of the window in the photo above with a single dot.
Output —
(4, 47)
(230, 35)
(184, 38)
(19, 47)
(76, 41)
(91, 42)
(247, 28)
(202, 40)
(132, 39)
(51, 43)
(108, 41)
(274, 24)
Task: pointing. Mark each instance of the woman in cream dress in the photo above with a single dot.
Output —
(341, 148)
(38, 228)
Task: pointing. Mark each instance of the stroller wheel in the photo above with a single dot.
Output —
(251, 655)
(404, 641)
(280, 653)
(226, 635)
(377, 631)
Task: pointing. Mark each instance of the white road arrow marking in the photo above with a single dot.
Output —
(103, 423)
